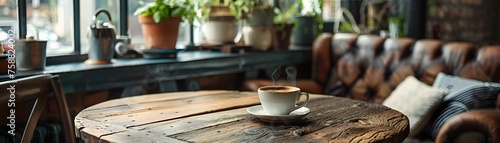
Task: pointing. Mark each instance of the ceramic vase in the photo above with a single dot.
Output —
(219, 31)
(260, 38)
(220, 28)
(258, 28)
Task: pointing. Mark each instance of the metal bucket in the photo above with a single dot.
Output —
(30, 54)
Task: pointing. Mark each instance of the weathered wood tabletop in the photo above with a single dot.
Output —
(221, 116)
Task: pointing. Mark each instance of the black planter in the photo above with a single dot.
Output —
(416, 17)
(304, 32)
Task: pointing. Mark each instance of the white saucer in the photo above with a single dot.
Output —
(258, 111)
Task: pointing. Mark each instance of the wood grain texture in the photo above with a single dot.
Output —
(220, 116)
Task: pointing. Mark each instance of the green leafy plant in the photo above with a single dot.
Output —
(397, 19)
(282, 19)
(315, 11)
(237, 7)
(241, 7)
(346, 27)
(433, 5)
(205, 8)
(399, 22)
(164, 9)
(286, 16)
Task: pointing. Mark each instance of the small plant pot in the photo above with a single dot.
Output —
(162, 35)
(283, 34)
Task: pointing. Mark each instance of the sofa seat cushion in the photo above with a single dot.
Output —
(416, 100)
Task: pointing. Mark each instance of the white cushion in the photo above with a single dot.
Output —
(416, 100)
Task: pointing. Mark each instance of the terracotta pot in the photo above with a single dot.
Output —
(161, 35)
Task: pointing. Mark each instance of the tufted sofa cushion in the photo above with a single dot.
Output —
(400, 58)
(374, 67)
(369, 68)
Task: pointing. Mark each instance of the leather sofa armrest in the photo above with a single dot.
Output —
(485, 121)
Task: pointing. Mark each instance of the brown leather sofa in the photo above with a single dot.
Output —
(368, 68)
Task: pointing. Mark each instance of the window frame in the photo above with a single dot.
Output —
(73, 56)
(76, 55)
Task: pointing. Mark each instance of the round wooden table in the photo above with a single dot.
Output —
(221, 116)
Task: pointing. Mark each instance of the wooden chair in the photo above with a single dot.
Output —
(38, 89)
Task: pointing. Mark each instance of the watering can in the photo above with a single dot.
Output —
(102, 39)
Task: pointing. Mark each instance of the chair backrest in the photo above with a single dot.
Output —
(14, 93)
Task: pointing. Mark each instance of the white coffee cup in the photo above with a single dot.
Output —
(280, 100)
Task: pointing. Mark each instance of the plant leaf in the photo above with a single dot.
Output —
(140, 10)
(178, 11)
(164, 9)
(166, 12)
(157, 16)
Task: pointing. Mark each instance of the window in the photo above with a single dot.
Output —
(64, 23)
(60, 22)
(330, 7)
(51, 20)
(87, 11)
(8, 18)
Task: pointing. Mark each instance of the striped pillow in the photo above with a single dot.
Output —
(463, 95)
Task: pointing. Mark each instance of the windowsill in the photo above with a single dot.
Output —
(80, 77)
(120, 63)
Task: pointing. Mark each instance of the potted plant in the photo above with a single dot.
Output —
(160, 21)
(308, 25)
(396, 26)
(220, 18)
(219, 22)
(283, 24)
(257, 19)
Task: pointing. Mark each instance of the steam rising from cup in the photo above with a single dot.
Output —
(291, 74)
